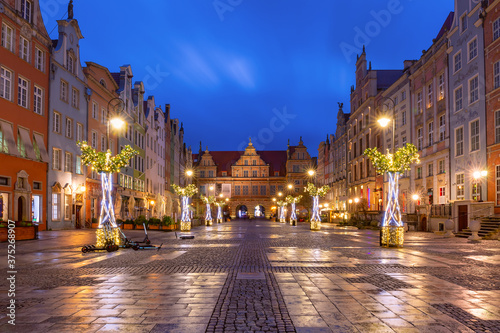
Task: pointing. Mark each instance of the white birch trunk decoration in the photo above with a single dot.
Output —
(315, 219)
(208, 215)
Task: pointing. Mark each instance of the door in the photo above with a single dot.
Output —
(77, 216)
(462, 217)
(20, 209)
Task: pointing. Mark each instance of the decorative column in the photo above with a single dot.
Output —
(293, 200)
(108, 233)
(185, 193)
(392, 231)
(208, 214)
(316, 193)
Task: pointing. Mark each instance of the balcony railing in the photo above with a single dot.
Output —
(441, 210)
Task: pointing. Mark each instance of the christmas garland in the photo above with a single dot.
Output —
(187, 191)
(103, 161)
(291, 199)
(208, 200)
(281, 203)
(398, 162)
(317, 191)
(220, 203)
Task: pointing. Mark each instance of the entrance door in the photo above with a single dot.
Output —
(462, 217)
(20, 209)
(77, 217)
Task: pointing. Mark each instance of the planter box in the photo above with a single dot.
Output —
(95, 225)
(22, 233)
(153, 227)
(128, 226)
(170, 227)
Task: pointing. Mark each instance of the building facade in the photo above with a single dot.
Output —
(67, 125)
(24, 91)
(467, 102)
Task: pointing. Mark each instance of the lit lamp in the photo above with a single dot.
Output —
(478, 176)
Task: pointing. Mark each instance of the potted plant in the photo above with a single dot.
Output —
(168, 223)
(139, 221)
(95, 223)
(128, 224)
(154, 223)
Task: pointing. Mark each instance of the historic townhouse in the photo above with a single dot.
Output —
(491, 24)
(361, 128)
(467, 102)
(102, 95)
(155, 157)
(67, 124)
(332, 164)
(395, 103)
(24, 89)
(251, 179)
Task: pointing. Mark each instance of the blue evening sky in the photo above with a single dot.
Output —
(234, 69)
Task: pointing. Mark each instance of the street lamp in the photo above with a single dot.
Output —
(478, 176)
(385, 120)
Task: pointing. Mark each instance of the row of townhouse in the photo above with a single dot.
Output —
(48, 102)
(444, 103)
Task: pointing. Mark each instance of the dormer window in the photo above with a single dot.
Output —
(71, 63)
(26, 10)
(103, 83)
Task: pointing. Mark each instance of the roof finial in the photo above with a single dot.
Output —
(288, 143)
(206, 150)
(250, 141)
(70, 10)
(300, 142)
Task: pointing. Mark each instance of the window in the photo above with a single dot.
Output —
(56, 159)
(442, 127)
(496, 74)
(263, 190)
(254, 162)
(430, 170)
(56, 122)
(26, 10)
(95, 108)
(246, 162)
(429, 95)
(473, 89)
(20, 145)
(419, 102)
(103, 143)
(458, 99)
(5, 83)
(496, 29)
(475, 191)
(457, 62)
(75, 98)
(79, 132)
(37, 100)
(472, 47)
(403, 118)
(245, 173)
(419, 173)
(94, 139)
(497, 182)
(237, 190)
(39, 59)
(430, 133)
(64, 91)
(68, 165)
(71, 63)
(463, 22)
(22, 92)
(441, 166)
(69, 128)
(295, 168)
(404, 141)
(211, 173)
(474, 135)
(254, 173)
(272, 190)
(78, 166)
(245, 190)
(403, 95)
(24, 49)
(420, 138)
(255, 190)
(67, 207)
(7, 37)
(37, 185)
(104, 116)
(441, 87)
(202, 174)
(55, 206)
(459, 141)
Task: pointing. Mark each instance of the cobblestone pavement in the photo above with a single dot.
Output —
(252, 276)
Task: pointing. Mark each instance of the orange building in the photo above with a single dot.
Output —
(491, 24)
(24, 87)
(102, 91)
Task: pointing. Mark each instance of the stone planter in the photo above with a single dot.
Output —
(474, 227)
(449, 225)
(128, 226)
(170, 227)
(153, 227)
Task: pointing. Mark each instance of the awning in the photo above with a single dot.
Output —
(8, 134)
(28, 146)
(41, 146)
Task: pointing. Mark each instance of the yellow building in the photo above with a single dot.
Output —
(249, 180)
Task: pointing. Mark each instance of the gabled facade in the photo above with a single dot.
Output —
(24, 91)
(67, 125)
(467, 102)
(102, 95)
(297, 164)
